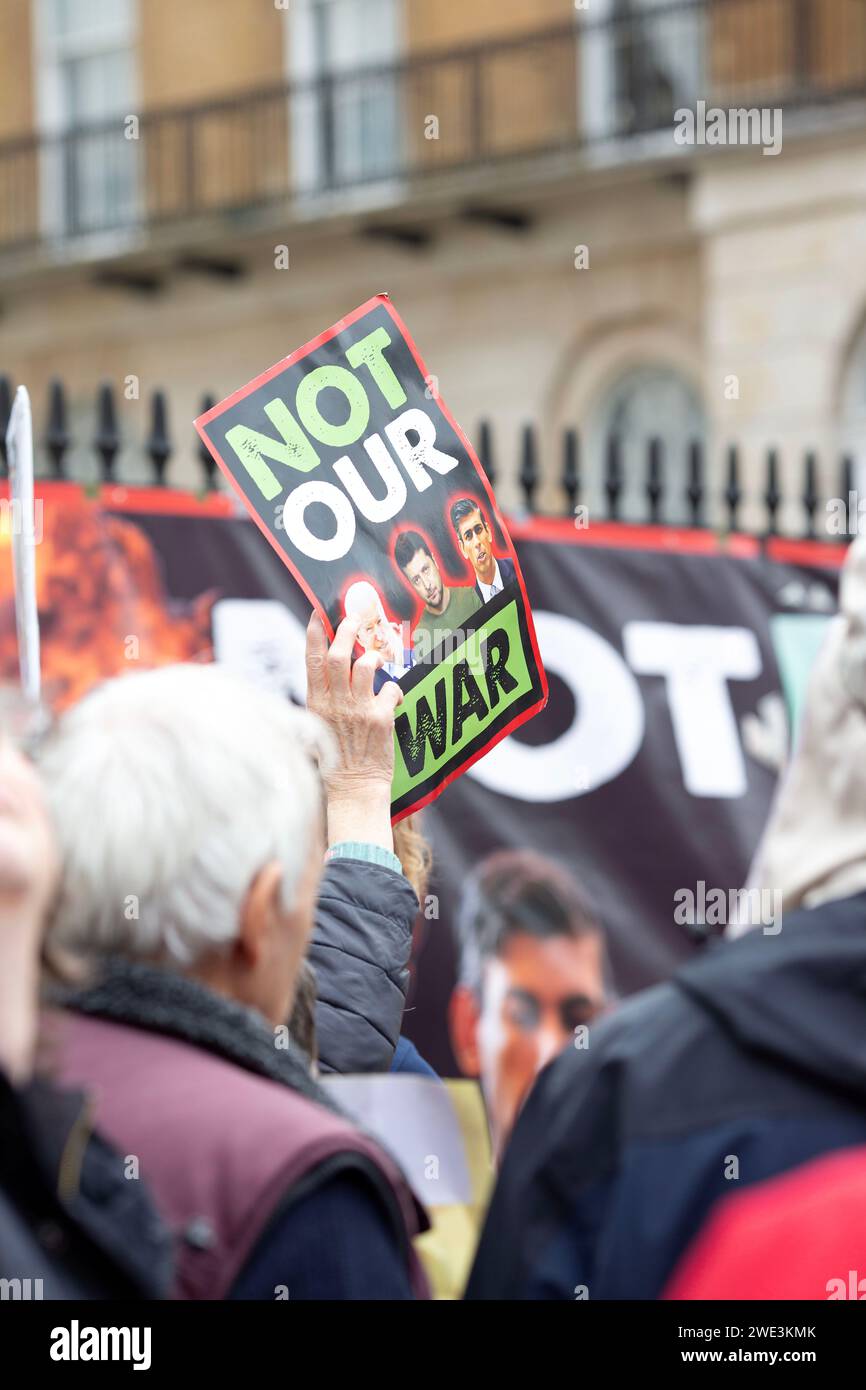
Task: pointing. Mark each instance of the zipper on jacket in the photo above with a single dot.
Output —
(72, 1157)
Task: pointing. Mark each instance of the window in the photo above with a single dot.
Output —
(652, 402)
(86, 85)
(345, 112)
(640, 60)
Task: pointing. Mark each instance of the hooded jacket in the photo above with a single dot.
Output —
(749, 1062)
(813, 849)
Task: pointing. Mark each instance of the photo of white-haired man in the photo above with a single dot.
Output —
(377, 633)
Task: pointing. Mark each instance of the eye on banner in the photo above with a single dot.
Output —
(367, 488)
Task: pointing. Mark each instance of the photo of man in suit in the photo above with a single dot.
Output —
(476, 545)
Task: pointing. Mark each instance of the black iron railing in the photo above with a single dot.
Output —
(694, 486)
(569, 88)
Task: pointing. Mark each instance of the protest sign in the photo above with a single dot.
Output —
(354, 469)
(19, 451)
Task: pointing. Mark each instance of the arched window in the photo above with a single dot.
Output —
(648, 402)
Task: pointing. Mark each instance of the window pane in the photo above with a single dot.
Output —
(80, 19)
(358, 35)
(100, 165)
(97, 86)
(360, 122)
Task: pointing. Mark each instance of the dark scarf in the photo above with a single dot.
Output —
(163, 1001)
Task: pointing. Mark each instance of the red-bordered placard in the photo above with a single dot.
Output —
(309, 446)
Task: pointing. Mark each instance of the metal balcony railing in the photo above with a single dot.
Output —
(572, 88)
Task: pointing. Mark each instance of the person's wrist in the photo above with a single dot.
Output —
(358, 786)
(359, 808)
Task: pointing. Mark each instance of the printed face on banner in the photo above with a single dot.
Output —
(359, 477)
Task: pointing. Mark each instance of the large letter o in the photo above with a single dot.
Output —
(604, 736)
(299, 533)
(315, 423)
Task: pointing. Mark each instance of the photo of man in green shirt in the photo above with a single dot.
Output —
(446, 609)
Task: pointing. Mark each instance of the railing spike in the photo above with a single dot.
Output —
(571, 469)
(846, 483)
(206, 458)
(158, 442)
(107, 438)
(485, 451)
(810, 491)
(772, 494)
(695, 488)
(655, 479)
(6, 394)
(528, 475)
(733, 493)
(613, 477)
(57, 439)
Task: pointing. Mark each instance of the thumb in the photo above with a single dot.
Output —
(315, 654)
(390, 696)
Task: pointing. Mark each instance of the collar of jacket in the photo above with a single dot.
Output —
(162, 1001)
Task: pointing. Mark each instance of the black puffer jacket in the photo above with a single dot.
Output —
(360, 953)
(71, 1225)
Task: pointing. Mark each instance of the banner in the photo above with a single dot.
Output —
(676, 666)
(354, 469)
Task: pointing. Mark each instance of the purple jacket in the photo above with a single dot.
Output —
(221, 1148)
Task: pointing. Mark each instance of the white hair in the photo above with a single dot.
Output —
(360, 595)
(170, 790)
